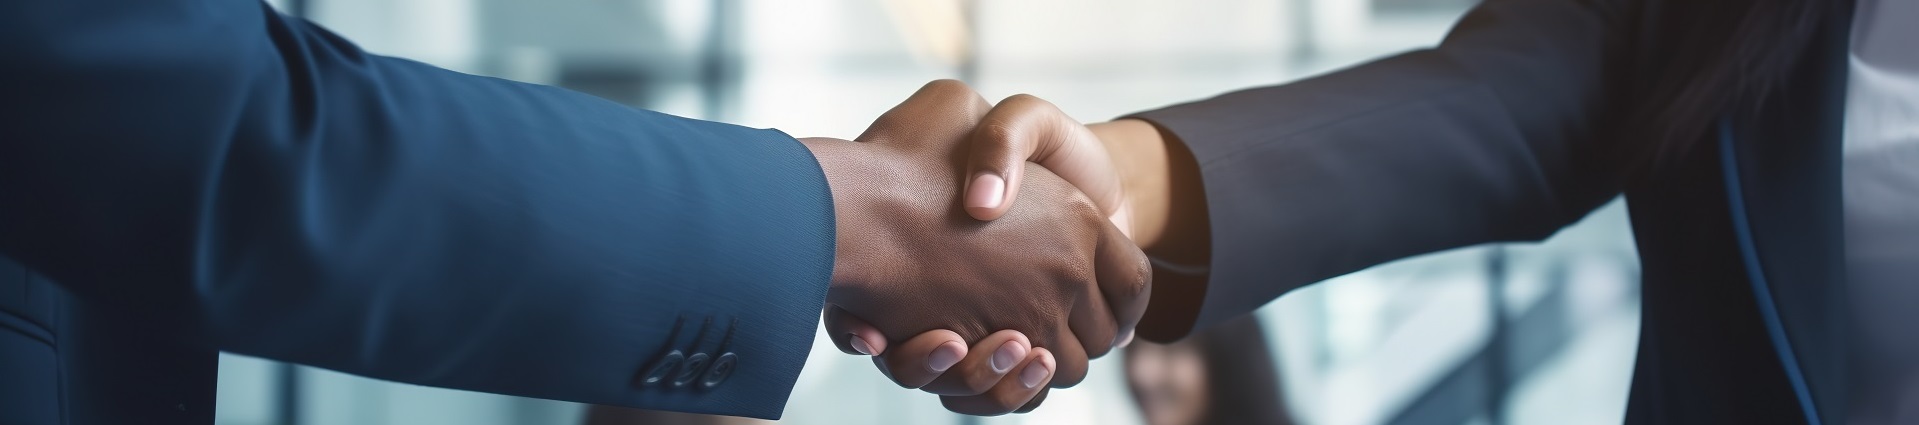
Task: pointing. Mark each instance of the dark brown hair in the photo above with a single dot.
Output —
(1728, 56)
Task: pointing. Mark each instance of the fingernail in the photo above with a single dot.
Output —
(859, 344)
(1008, 355)
(987, 191)
(1034, 373)
(1125, 340)
(944, 356)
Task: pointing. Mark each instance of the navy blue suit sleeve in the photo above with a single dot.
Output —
(317, 204)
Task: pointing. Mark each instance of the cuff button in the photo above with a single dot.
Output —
(665, 367)
(695, 365)
(722, 368)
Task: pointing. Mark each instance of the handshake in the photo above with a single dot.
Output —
(953, 288)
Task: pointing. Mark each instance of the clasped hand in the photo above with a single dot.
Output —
(967, 296)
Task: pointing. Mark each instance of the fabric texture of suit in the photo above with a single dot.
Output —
(1506, 132)
(179, 177)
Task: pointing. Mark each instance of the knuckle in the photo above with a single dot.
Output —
(1142, 277)
(951, 95)
(1082, 207)
(1097, 349)
(981, 383)
(946, 85)
(999, 135)
(1132, 286)
(1024, 100)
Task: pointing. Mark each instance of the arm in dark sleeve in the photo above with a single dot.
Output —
(1488, 137)
(317, 204)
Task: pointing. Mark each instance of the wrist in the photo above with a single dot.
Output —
(833, 156)
(1139, 155)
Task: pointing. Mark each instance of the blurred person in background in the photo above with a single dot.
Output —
(184, 177)
(1222, 375)
(1768, 152)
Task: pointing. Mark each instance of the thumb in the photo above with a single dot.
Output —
(1024, 128)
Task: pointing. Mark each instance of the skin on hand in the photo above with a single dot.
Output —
(972, 380)
(909, 263)
(1123, 165)
(1024, 129)
(1139, 156)
(1162, 197)
(1160, 200)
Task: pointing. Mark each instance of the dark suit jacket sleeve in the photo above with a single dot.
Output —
(1488, 137)
(317, 204)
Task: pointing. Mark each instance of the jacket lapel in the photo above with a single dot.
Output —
(1788, 157)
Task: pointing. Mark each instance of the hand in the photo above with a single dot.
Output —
(910, 262)
(1124, 165)
(1025, 128)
